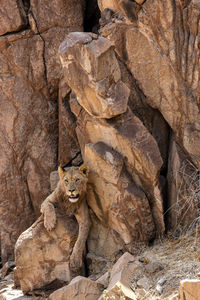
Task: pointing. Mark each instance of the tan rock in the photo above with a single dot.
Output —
(80, 288)
(30, 76)
(92, 71)
(115, 200)
(26, 124)
(132, 140)
(111, 4)
(119, 291)
(12, 16)
(43, 256)
(159, 72)
(104, 279)
(102, 242)
(121, 275)
(68, 147)
(59, 13)
(189, 289)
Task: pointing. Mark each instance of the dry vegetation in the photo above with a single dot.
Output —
(181, 260)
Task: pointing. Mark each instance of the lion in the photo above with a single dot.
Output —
(69, 197)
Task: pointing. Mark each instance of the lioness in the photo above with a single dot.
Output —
(69, 197)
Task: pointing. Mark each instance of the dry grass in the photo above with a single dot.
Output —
(181, 260)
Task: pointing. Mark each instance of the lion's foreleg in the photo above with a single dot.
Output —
(48, 210)
(83, 220)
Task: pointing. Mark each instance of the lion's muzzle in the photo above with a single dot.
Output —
(73, 198)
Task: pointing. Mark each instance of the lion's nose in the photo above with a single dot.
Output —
(71, 190)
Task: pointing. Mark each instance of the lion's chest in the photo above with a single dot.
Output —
(64, 207)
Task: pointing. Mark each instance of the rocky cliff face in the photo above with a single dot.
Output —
(124, 97)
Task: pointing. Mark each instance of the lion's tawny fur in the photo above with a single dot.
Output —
(69, 198)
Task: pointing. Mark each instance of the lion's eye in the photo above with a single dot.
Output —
(66, 180)
(77, 180)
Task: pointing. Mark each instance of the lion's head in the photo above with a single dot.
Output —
(73, 182)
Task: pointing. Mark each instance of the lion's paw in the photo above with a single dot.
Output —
(49, 222)
(49, 216)
(75, 261)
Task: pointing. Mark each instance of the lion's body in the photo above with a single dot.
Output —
(69, 199)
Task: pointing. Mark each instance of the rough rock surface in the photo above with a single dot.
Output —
(42, 257)
(170, 75)
(116, 201)
(189, 289)
(12, 16)
(80, 288)
(137, 86)
(98, 86)
(60, 13)
(30, 72)
(68, 146)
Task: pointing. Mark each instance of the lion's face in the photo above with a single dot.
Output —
(73, 182)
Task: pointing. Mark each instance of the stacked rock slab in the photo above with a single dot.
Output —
(123, 157)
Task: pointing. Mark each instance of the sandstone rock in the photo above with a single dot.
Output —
(42, 257)
(115, 200)
(128, 8)
(92, 71)
(170, 83)
(189, 289)
(7, 268)
(104, 279)
(12, 16)
(29, 83)
(102, 242)
(154, 62)
(183, 187)
(68, 147)
(59, 14)
(134, 142)
(28, 135)
(121, 276)
(80, 288)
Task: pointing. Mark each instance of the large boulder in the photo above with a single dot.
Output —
(80, 288)
(136, 145)
(42, 257)
(115, 199)
(92, 71)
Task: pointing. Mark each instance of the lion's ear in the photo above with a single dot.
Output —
(84, 169)
(61, 172)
